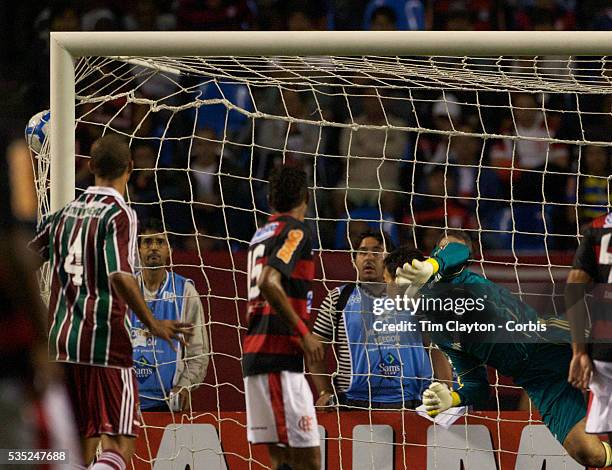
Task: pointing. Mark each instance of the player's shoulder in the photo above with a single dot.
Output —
(183, 279)
(598, 226)
(603, 222)
(291, 223)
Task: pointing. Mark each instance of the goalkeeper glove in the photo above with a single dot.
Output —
(418, 273)
(438, 398)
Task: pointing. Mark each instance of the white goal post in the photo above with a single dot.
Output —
(415, 78)
(66, 46)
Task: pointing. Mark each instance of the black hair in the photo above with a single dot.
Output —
(460, 234)
(381, 237)
(110, 156)
(151, 226)
(385, 11)
(288, 188)
(398, 257)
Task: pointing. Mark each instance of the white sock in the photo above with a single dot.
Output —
(109, 460)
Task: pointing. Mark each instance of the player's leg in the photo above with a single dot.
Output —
(562, 407)
(89, 446)
(300, 421)
(279, 456)
(306, 458)
(587, 449)
(113, 415)
(599, 412)
(262, 426)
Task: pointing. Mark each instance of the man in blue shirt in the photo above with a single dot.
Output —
(376, 367)
(167, 375)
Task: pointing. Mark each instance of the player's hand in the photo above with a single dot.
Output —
(417, 273)
(183, 397)
(324, 399)
(314, 351)
(580, 370)
(437, 399)
(171, 330)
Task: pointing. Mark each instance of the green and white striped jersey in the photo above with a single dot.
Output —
(85, 242)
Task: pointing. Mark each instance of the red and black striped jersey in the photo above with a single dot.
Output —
(594, 256)
(270, 344)
(85, 242)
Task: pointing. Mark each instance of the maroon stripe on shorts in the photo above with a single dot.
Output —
(278, 406)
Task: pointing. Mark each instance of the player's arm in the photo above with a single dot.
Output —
(578, 280)
(40, 243)
(126, 286)
(474, 388)
(323, 329)
(442, 370)
(270, 285)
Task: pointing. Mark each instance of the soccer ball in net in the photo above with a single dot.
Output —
(37, 129)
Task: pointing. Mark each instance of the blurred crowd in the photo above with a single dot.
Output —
(430, 180)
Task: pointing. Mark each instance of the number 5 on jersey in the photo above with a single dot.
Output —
(73, 264)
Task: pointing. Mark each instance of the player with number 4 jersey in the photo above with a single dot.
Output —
(91, 247)
(280, 406)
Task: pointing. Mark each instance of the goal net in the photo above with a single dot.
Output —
(514, 151)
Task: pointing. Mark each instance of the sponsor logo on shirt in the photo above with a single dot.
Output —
(142, 369)
(389, 366)
(264, 233)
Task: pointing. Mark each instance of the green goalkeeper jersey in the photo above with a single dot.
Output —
(511, 354)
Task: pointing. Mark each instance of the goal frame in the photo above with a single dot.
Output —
(66, 46)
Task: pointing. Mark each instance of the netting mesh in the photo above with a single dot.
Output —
(514, 151)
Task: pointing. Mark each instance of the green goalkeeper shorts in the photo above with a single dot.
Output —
(545, 381)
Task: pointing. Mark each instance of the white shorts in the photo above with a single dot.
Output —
(599, 412)
(280, 410)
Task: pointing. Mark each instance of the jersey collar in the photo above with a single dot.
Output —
(278, 215)
(106, 190)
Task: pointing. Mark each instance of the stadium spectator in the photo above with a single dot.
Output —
(391, 15)
(302, 15)
(592, 186)
(221, 192)
(544, 15)
(528, 121)
(361, 220)
(167, 375)
(142, 187)
(148, 16)
(383, 19)
(366, 178)
(289, 139)
(436, 200)
(446, 115)
(214, 15)
(346, 319)
(204, 174)
(462, 15)
(98, 17)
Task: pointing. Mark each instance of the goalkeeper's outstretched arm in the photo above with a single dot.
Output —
(473, 390)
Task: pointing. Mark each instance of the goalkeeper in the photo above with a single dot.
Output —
(540, 368)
